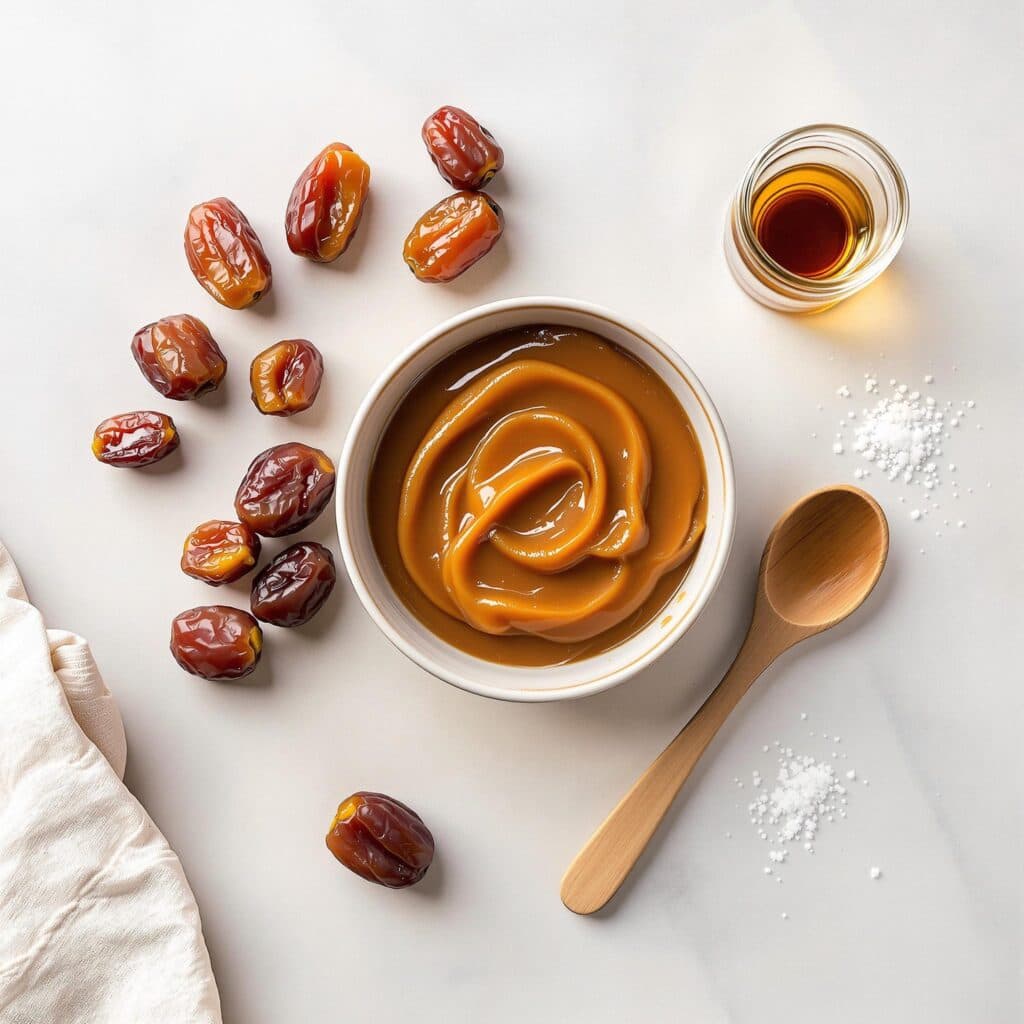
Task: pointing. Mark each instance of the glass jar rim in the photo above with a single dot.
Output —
(806, 285)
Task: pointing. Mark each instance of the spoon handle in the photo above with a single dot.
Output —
(602, 865)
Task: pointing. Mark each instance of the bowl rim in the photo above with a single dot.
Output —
(663, 643)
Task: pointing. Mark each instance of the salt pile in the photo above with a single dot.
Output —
(903, 435)
(805, 793)
(808, 793)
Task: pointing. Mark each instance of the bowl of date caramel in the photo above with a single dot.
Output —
(536, 499)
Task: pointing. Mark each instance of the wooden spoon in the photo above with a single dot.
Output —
(820, 562)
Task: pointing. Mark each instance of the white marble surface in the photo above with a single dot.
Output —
(625, 128)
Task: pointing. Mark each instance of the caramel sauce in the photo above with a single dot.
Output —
(537, 496)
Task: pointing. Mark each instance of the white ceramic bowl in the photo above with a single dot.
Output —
(508, 682)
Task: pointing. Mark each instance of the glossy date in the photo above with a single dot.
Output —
(284, 489)
(225, 254)
(133, 439)
(216, 642)
(220, 551)
(452, 235)
(295, 585)
(326, 204)
(381, 840)
(178, 356)
(462, 149)
(285, 378)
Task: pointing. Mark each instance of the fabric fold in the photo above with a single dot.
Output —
(90, 701)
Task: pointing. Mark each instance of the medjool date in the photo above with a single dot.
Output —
(326, 204)
(452, 235)
(286, 377)
(462, 149)
(179, 357)
(133, 439)
(284, 489)
(216, 641)
(220, 551)
(295, 585)
(225, 254)
(381, 840)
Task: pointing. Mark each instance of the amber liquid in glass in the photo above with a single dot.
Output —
(812, 220)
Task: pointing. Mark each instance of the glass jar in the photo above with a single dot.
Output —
(865, 166)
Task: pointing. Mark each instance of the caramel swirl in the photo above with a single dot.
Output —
(532, 484)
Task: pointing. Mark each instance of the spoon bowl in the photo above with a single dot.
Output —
(820, 562)
(825, 556)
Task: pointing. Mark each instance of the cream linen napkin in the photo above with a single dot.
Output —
(97, 920)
